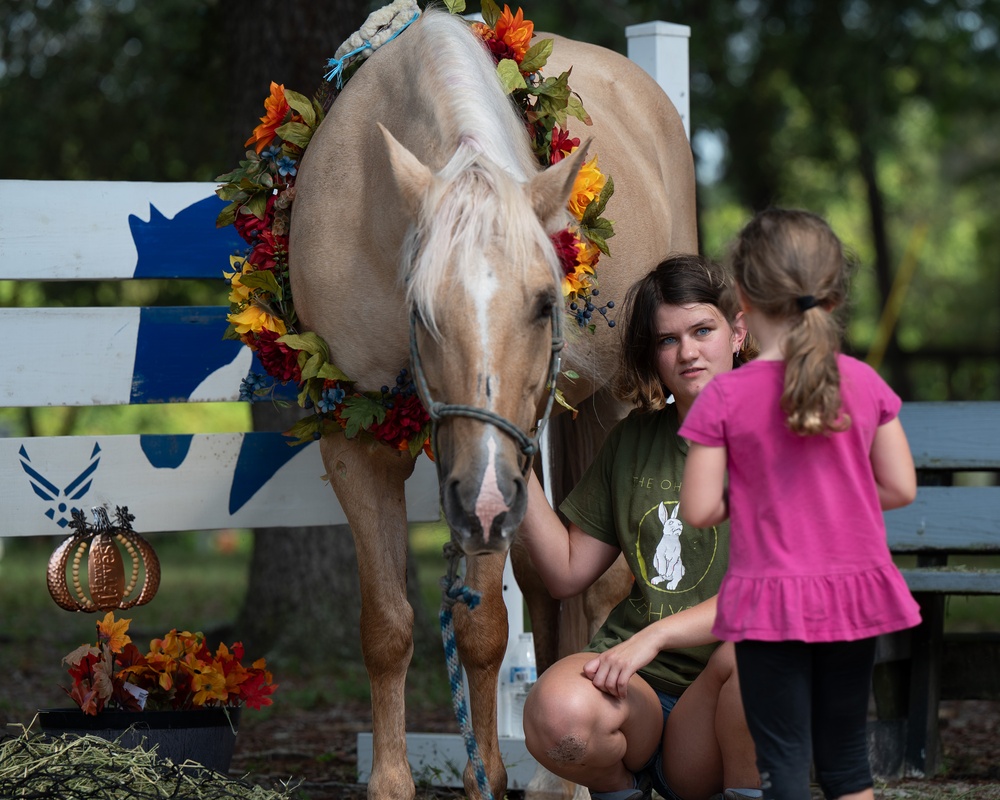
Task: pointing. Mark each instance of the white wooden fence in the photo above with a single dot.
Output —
(116, 356)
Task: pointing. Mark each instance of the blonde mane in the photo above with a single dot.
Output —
(477, 201)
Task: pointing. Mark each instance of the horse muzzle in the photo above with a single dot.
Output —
(484, 512)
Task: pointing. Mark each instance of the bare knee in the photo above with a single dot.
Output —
(558, 722)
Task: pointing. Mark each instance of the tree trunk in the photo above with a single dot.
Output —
(302, 598)
(898, 375)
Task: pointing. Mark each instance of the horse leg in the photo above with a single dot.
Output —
(369, 485)
(481, 637)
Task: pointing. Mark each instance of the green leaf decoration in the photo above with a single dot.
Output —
(309, 342)
(227, 216)
(257, 205)
(417, 443)
(455, 6)
(491, 12)
(311, 368)
(295, 133)
(261, 279)
(360, 413)
(537, 56)
(329, 372)
(595, 227)
(303, 105)
(303, 431)
(574, 107)
(231, 177)
(599, 234)
(230, 191)
(552, 99)
(510, 75)
(231, 333)
(570, 374)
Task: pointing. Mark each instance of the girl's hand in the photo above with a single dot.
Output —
(612, 670)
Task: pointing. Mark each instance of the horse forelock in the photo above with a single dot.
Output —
(477, 230)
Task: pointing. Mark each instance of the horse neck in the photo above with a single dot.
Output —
(457, 79)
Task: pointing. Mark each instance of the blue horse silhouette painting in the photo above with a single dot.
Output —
(177, 349)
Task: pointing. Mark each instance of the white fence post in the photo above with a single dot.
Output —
(661, 48)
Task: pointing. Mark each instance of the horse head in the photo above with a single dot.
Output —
(483, 289)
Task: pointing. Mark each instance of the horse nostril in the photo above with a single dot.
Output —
(451, 497)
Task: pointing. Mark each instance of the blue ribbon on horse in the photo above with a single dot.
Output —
(337, 65)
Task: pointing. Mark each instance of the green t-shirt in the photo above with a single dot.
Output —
(630, 497)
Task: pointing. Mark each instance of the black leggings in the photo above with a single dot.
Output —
(808, 702)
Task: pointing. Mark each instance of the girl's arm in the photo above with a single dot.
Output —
(568, 559)
(703, 490)
(892, 465)
(611, 670)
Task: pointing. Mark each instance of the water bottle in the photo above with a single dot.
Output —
(521, 677)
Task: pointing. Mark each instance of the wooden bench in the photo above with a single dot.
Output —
(956, 447)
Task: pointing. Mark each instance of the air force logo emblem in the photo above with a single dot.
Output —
(60, 500)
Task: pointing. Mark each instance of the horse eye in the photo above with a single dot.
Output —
(543, 308)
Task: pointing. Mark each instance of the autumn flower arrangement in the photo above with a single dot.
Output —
(179, 672)
(260, 193)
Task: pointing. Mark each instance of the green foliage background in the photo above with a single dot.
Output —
(881, 116)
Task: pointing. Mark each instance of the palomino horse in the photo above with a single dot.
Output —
(445, 216)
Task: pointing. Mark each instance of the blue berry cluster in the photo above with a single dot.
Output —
(404, 388)
(584, 312)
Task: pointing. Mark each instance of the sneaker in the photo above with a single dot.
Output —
(738, 794)
(643, 790)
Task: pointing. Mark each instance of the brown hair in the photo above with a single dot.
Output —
(790, 265)
(680, 280)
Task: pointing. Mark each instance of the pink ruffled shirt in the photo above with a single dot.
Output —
(808, 556)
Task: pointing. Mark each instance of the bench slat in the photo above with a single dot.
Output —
(953, 435)
(112, 230)
(932, 521)
(174, 483)
(952, 580)
(121, 356)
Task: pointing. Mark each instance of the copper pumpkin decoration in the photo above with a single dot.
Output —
(105, 564)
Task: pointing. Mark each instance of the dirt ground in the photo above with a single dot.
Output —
(317, 746)
(314, 745)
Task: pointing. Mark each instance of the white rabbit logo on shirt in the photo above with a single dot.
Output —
(667, 562)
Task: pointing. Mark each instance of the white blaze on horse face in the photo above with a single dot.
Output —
(490, 503)
(483, 286)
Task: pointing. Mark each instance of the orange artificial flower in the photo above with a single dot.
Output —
(113, 632)
(588, 185)
(276, 109)
(515, 31)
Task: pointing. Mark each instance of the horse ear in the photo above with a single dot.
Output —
(551, 188)
(412, 177)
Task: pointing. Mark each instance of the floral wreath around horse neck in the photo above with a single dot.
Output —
(261, 190)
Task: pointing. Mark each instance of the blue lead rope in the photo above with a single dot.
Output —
(337, 65)
(452, 591)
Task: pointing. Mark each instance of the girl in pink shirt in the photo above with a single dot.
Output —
(814, 452)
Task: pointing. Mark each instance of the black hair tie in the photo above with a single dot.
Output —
(805, 302)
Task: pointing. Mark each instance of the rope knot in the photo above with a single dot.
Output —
(455, 591)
